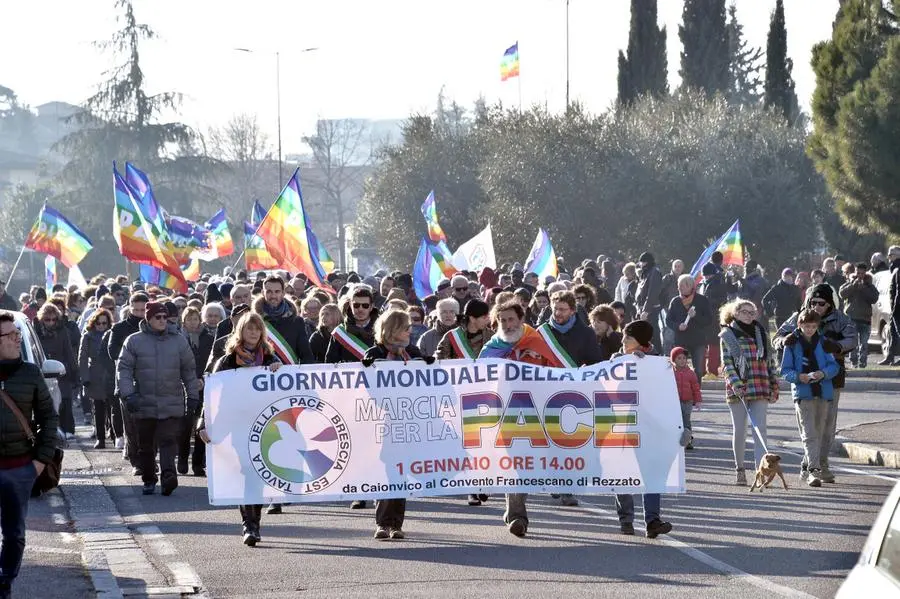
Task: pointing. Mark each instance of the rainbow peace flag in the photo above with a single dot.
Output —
(286, 230)
(429, 268)
(160, 278)
(221, 235)
(729, 244)
(509, 66)
(255, 252)
(429, 211)
(322, 254)
(188, 238)
(50, 271)
(54, 235)
(542, 258)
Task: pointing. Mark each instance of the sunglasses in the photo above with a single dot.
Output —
(820, 303)
(357, 306)
(161, 317)
(460, 289)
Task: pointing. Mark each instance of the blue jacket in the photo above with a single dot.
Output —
(792, 367)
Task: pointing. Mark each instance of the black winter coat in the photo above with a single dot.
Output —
(580, 342)
(782, 300)
(25, 383)
(120, 332)
(292, 329)
(318, 344)
(58, 346)
(337, 353)
(94, 367)
(379, 352)
(647, 298)
(202, 350)
(697, 332)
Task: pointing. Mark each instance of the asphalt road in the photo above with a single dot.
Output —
(725, 542)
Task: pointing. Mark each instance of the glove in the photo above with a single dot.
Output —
(368, 362)
(133, 403)
(789, 340)
(193, 409)
(86, 384)
(428, 359)
(685, 438)
(831, 346)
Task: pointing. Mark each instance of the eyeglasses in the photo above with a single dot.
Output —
(357, 306)
(416, 321)
(820, 303)
(460, 289)
(15, 334)
(747, 312)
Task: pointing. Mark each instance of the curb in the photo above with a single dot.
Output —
(852, 384)
(863, 453)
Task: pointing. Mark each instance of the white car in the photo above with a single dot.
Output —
(877, 573)
(34, 353)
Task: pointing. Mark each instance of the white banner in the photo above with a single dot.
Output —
(336, 432)
(477, 253)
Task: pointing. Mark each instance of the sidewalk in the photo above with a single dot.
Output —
(876, 443)
(870, 379)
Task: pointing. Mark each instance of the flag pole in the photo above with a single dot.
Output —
(16, 265)
(256, 232)
(519, 77)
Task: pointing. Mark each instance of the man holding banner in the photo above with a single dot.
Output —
(286, 329)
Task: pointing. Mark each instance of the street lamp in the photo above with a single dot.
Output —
(278, 99)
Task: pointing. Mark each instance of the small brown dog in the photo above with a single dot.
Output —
(769, 466)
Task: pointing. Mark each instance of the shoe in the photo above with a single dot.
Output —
(804, 475)
(887, 362)
(149, 488)
(555, 495)
(658, 527)
(381, 533)
(137, 471)
(814, 480)
(518, 527)
(5, 590)
(740, 478)
(100, 445)
(568, 500)
(689, 446)
(120, 443)
(473, 500)
(200, 472)
(397, 534)
(826, 476)
(250, 538)
(627, 528)
(274, 509)
(182, 466)
(482, 497)
(168, 485)
(358, 505)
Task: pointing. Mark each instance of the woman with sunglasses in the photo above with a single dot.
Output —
(751, 379)
(97, 375)
(54, 338)
(247, 347)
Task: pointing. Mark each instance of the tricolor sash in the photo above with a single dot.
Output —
(282, 348)
(351, 342)
(558, 350)
(461, 345)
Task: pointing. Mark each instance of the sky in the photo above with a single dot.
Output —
(374, 59)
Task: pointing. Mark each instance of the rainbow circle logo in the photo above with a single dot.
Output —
(299, 445)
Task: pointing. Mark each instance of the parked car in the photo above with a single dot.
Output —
(877, 573)
(34, 353)
(881, 312)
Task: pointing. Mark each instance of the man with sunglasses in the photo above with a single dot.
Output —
(352, 339)
(154, 375)
(838, 338)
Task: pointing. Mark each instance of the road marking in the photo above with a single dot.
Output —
(53, 550)
(705, 558)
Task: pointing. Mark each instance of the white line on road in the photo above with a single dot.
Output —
(710, 561)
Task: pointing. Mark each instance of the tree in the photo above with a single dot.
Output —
(17, 124)
(340, 149)
(704, 37)
(859, 41)
(122, 121)
(15, 224)
(644, 69)
(745, 65)
(779, 87)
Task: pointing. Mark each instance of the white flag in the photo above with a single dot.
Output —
(477, 253)
(76, 278)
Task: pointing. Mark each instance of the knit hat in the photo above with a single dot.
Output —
(823, 291)
(475, 308)
(225, 290)
(488, 277)
(677, 351)
(154, 308)
(646, 257)
(213, 294)
(443, 284)
(101, 291)
(171, 309)
(787, 272)
(641, 331)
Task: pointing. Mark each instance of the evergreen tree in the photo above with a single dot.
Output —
(779, 88)
(644, 69)
(704, 37)
(745, 65)
(839, 148)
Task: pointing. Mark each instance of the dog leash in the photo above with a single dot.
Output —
(759, 434)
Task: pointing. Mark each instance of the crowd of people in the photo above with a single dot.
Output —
(136, 355)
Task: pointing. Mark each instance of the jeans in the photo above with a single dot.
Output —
(15, 489)
(860, 354)
(698, 360)
(389, 513)
(739, 430)
(811, 417)
(251, 515)
(515, 508)
(625, 508)
(165, 433)
(830, 428)
(686, 408)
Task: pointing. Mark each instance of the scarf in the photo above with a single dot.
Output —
(565, 327)
(810, 363)
(193, 338)
(729, 337)
(248, 357)
(396, 352)
(687, 300)
(280, 311)
(364, 334)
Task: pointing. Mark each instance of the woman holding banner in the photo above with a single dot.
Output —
(392, 331)
(247, 347)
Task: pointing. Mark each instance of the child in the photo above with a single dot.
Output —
(688, 388)
(636, 341)
(809, 369)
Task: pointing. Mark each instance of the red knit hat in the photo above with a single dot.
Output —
(677, 351)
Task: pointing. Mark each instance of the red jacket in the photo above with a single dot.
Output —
(688, 386)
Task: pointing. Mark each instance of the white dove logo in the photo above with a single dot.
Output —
(299, 441)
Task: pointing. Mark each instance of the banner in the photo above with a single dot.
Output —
(477, 253)
(336, 432)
